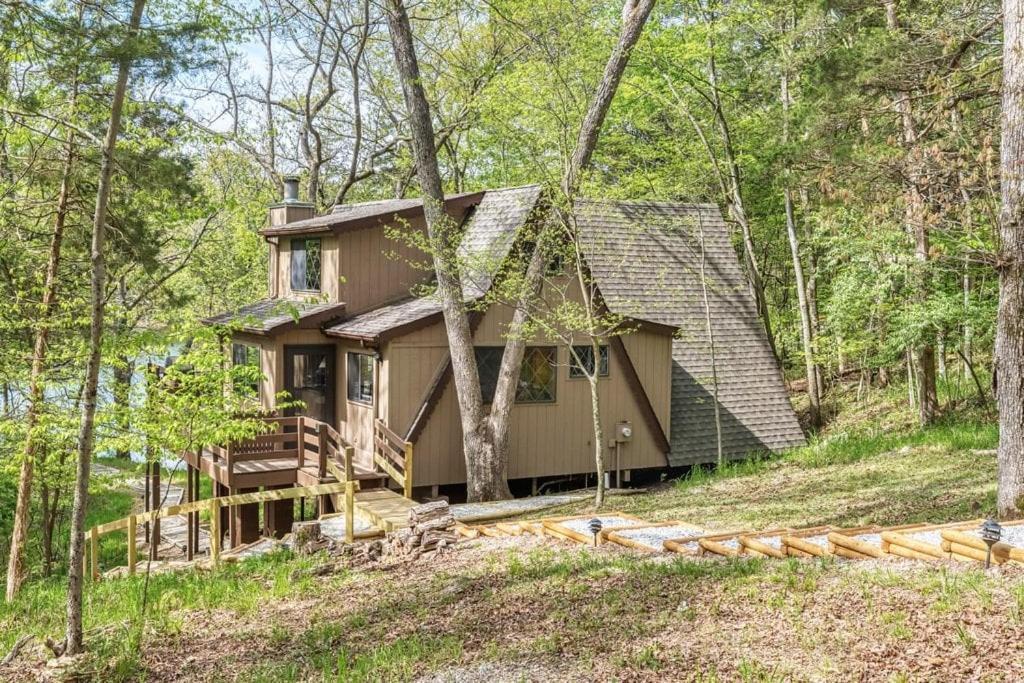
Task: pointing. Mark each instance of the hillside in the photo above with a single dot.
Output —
(526, 608)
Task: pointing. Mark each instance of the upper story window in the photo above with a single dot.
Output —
(305, 267)
(536, 377)
(585, 366)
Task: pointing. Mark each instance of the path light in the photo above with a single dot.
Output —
(595, 528)
(991, 532)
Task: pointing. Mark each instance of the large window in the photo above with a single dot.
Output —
(360, 378)
(585, 367)
(305, 266)
(247, 355)
(536, 378)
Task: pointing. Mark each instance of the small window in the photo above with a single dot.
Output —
(360, 378)
(305, 264)
(536, 377)
(585, 367)
(247, 355)
(555, 266)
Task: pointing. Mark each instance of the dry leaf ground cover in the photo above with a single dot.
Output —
(538, 609)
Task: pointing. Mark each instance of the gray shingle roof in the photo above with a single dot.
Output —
(490, 232)
(646, 259)
(385, 210)
(268, 316)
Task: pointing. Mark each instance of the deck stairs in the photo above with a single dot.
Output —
(384, 508)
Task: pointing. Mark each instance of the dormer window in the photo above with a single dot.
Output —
(306, 264)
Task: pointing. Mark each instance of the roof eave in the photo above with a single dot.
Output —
(384, 216)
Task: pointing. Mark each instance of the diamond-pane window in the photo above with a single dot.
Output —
(305, 264)
(586, 366)
(488, 363)
(536, 377)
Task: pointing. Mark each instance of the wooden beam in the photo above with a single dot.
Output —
(640, 395)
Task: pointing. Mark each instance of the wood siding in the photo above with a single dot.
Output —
(362, 268)
(547, 439)
(375, 270)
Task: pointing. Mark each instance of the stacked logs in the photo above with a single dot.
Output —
(431, 529)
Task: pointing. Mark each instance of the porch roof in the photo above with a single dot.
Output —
(268, 317)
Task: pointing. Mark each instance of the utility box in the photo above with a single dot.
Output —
(624, 432)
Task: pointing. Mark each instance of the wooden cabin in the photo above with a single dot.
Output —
(344, 331)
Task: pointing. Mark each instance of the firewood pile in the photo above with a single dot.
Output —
(431, 530)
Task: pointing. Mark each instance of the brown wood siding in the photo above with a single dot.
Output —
(547, 439)
(651, 354)
(375, 270)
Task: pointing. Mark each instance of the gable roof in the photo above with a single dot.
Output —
(488, 238)
(267, 317)
(366, 214)
(665, 239)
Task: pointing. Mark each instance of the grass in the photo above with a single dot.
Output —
(505, 612)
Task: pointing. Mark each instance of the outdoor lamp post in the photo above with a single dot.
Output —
(595, 528)
(991, 532)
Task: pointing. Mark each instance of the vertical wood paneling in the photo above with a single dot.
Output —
(546, 439)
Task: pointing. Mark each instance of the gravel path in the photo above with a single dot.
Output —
(654, 537)
(582, 526)
(472, 512)
(871, 539)
(820, 541)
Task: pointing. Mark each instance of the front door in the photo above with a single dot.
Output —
(309, 377)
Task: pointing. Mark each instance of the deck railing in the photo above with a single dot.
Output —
(393, 454)
(214, 505)
(303, 438)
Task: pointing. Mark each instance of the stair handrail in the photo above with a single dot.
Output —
(393, 455)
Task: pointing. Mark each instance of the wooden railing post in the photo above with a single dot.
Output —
(214, 531)
(300, 431)
(408, 470)
(350, 510)
(94, 543)
(321, 433)
(350, 474)
(132, 550)
(230, 461)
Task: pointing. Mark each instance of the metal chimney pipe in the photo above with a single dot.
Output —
(291, 189)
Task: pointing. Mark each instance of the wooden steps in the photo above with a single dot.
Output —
(384, 508)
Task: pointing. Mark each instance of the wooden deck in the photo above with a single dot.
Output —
(272, 472)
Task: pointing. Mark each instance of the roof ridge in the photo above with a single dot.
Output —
(648, 202)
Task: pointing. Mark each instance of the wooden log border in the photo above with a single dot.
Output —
(555, 525)
(614, 535)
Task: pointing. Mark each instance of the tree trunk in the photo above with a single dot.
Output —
(915, 219)
(482, 472)
(86, 432)
(1009, 348)
(806, 333)
(711, 343)
(485, 442)
(36, 390)
(735, 200)
(595, 415)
